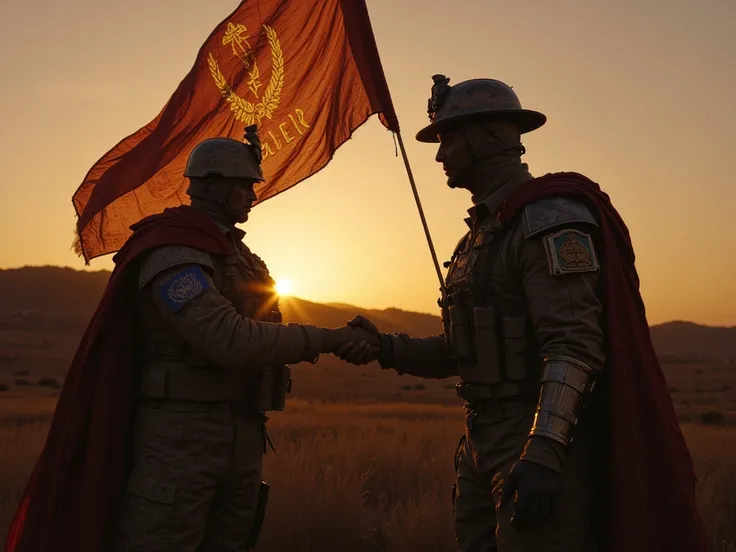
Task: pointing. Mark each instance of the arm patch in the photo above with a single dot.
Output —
(184, 286)
(570, 251)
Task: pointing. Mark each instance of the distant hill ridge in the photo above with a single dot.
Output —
(70, 296)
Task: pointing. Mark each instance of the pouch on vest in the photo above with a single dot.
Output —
(459, 334)
(275, 383)
(444, 304)
(515, 348)
(487, 352)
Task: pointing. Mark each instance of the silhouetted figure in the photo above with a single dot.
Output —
(541, 303)
(158, 438)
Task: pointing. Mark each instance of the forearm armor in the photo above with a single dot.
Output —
(566, 383)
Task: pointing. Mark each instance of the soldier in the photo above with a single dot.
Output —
(201, 429)
(211, 357)
(534, 316)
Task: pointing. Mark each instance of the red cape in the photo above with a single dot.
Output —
(651, 479)
(71, 500)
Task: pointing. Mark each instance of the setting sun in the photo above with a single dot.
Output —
(284, 287)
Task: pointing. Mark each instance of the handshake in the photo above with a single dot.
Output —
(359, 342)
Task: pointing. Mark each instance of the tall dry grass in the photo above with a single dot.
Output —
(370, 478)
(20, 444)
(714, 452)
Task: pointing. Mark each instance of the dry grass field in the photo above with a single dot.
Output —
(367, 476)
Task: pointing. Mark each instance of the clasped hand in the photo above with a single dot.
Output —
(357, 343)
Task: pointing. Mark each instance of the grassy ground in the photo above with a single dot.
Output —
(368, 477)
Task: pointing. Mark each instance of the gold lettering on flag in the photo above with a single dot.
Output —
(294, 124)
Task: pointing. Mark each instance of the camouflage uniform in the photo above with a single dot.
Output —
(522, 329)
(214, 356)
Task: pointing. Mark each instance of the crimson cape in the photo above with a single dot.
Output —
(649, 475)
(71, 500)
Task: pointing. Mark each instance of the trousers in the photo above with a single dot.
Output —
(493, 441)
(195, 478)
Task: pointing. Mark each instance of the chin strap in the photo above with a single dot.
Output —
(482, 150)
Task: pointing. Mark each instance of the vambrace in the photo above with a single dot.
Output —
(566, 383)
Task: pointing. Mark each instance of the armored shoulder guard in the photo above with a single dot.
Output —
(169, 256)
(553, 213)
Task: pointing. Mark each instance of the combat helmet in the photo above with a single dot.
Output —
(475, 97)
(227, 157)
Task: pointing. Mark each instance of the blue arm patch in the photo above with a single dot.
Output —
(183, 287)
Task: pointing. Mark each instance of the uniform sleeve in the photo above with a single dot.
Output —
(563, 304)
(426, 357)
(187, 298)
(559, 273)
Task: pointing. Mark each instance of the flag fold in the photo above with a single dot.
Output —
(307, 73)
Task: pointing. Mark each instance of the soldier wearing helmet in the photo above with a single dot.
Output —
(522, 330)
(222, 172)
(214, 356)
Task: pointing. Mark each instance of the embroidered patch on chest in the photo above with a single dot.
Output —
(183, 287)
(570, 251)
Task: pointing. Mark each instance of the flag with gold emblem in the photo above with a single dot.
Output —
(307, 73)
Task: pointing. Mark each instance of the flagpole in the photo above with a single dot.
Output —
(421, 211)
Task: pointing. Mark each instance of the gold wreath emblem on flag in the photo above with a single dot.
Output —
(244, 110)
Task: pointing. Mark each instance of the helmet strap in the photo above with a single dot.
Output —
(495, 146)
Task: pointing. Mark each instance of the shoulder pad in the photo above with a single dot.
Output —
(553, 212)
(168, 256)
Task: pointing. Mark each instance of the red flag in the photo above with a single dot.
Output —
(308, 73)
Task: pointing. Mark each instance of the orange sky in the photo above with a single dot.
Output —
(639, 95)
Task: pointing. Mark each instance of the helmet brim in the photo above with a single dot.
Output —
(526, 119)
(216, 172)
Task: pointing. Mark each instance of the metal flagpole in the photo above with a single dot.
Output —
(421, 211)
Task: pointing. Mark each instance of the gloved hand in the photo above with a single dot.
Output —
(364, 352)
(536, 488)
(334, 340)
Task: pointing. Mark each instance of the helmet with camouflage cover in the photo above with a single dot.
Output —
(227, 157)
(475, 98)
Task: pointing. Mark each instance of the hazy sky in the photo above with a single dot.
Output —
(639, 96)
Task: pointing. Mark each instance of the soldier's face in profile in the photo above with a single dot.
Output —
(455, 155)
(241, 198)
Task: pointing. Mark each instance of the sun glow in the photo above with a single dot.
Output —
(284, 287)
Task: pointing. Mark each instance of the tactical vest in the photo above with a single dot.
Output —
(173, 370)
(490, 337)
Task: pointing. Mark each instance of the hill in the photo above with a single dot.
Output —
(44, 311)
(64, 299)
(689, 340)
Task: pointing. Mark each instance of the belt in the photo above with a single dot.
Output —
(492, 409)
(472, 392)
(242, 408)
